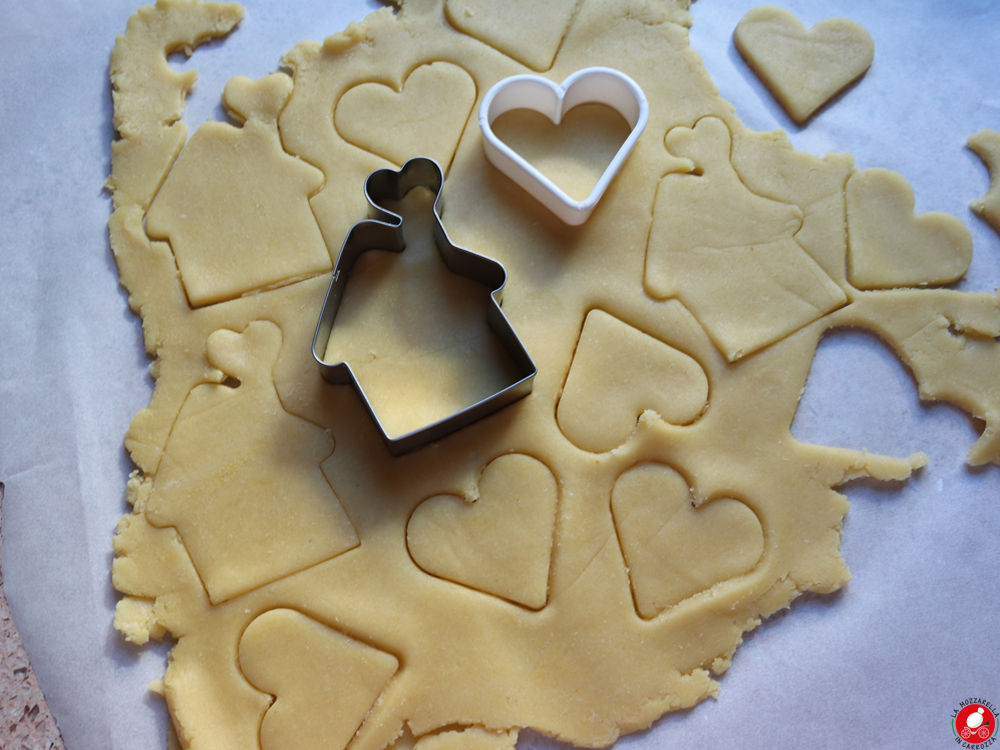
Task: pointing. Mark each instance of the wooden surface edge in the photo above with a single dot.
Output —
(25, 720)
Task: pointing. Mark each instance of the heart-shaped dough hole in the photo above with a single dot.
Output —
(803, 69)
(500, 544)
(890, 246)
(674, 550)
(425, 118)
(324, 682)
(618, 372)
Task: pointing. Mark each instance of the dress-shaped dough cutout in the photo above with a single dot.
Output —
(618, 372)
(729, 255)
(425, 118)
(500, 544)
(986, 144)
(527, 31)
(267, 234)
(804, 69)
(324, 682)
(240, 478)
(891, 247)
(672, 549)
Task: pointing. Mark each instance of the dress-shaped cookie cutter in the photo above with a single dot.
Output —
(384, 231)
(587, 86)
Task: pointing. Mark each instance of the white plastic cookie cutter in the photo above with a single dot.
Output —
(587, 86)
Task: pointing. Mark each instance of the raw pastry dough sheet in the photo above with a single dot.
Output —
(885, 660)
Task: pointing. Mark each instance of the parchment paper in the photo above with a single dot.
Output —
(883, 663)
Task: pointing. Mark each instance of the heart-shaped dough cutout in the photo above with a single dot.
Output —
(891, 247)
(587, 86)
(425, 118)
(324, 682)
(618, 372)
(531, 38)
(803, 69)
(502, 543)
(672, 549)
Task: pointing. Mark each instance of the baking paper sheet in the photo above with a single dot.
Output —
(882, 663)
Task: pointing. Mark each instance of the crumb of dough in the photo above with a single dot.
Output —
(580, 562)
(803, 68)
(134, 618)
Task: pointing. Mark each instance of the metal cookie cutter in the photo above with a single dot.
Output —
(587, 86)
(384, 231)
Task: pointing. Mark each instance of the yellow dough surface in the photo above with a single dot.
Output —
(580, 562)
(803, 68)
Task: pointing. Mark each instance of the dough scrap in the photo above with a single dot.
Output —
(803, 68)
(986, 144)
(472, 738)
(152, 132)
(890, 246)
(626, 631)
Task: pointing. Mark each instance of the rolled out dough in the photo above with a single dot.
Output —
(584, 560)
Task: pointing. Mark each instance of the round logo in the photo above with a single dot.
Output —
(975, 722)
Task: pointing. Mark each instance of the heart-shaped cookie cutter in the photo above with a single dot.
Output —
(587, 86)
(384, 231)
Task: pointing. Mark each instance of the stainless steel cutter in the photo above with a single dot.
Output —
(383, 230)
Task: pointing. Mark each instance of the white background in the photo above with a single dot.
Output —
(883, 663)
